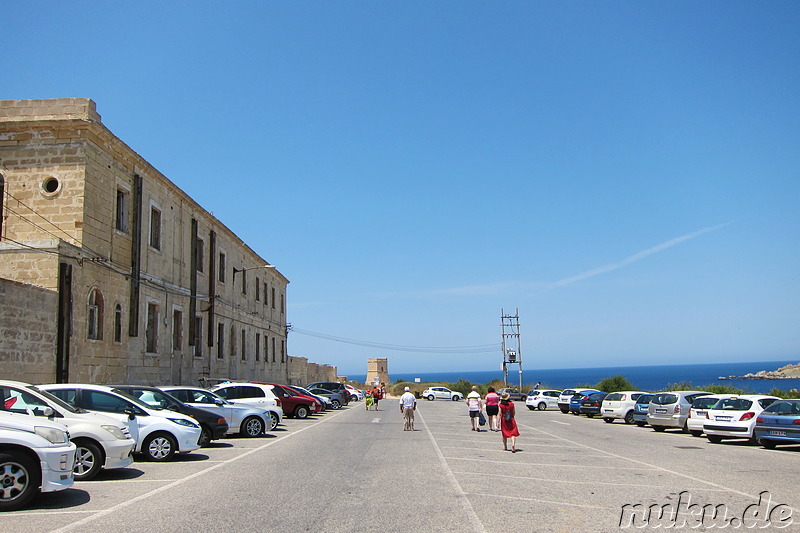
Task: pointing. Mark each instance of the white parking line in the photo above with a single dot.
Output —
(560, 422)
(535, 500)
(520, 465)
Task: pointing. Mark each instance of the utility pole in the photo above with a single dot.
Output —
(512, 353)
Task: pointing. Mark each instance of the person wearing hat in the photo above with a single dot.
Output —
(508, 422)
(408, 404)
(475, 405)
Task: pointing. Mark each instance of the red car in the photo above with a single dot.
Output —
(294, 404)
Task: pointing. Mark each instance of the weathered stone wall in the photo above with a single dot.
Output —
(27, 332)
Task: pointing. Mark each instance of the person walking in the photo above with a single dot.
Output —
(408, 404)
(508, 422)
(376, 395)
(492, 401)
(475, 405)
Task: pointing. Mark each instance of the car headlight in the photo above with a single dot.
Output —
(53, 435)
(183, 422)
(114, 430)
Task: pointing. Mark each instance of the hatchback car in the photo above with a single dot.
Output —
(671, 409)
(35, 456)
(246, 420)
(566, 397)
(212, 425)
(735, 417)
(640, 409)
(779, 424)
(542, 399)
(577, 399)
(441, 393)
(336, 398)
(697, 412)
(592, 404)
(253, 394)
(619, 405)
(294, 404)
(102, 442)
(159, 434)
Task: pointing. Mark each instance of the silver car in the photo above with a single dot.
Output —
(671, 409)
(246, 420)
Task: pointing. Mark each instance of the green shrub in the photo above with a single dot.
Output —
(682, 385)
(785, 394)
(614, 384)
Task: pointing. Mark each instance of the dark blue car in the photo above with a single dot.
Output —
(577, 398)
(778, 424)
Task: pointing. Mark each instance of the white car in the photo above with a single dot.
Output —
(697, 412)
(542, 399)
(619, 405)
(23, 437)
(566, 396)
(254, 394)
(442, 393)
(247, 420)
(102, 441)
(355, 394)
(159, 433)
(735, 417)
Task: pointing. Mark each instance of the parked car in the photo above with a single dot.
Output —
(355, 394)
(592, 404)
(441, 393)
(36, 455)
(542, 399)
(697, 412)
(101, 441)
(641, 408)
(324, 401)
(159, 434)
(254, 394)
(246, 420)
(735, 417)
(577, 398)
(212, 425)
(779, 424)
(332, 386)
(566, 397)
(619, 405)
(336, 398)
(514, 394)
(294, 404)
(671, 409)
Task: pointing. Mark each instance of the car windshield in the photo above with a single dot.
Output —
(664, 399)
(784, 408)
(58, 401)
(134, 399)
(733, 404)
(614, 397)
(644, 399)
(704, 402)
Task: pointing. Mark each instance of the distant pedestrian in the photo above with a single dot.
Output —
(492, 408)
(475, 405)
(538, 384)
(376, 396)
(508, 422)
(383, 391)
(368, 400)
(408, 404)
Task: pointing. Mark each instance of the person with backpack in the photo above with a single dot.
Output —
(508, 422)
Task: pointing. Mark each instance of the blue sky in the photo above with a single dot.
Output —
(626, 174)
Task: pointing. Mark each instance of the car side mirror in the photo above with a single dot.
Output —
(219, 402)
(48, 412)
(131, 414)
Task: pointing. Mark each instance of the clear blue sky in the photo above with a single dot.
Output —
(627, 174)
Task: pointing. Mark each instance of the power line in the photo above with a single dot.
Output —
(482, 348)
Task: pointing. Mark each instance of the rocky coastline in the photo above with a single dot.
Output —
(785, 372)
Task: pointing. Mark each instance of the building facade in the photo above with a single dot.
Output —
(147, 286)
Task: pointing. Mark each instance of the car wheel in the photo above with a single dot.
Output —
(564, 411)
(335, 404)
(531, 407)
(88, 460)
(252, 426)
(768, 444)
(455, 397)
(589, 415)
(695, 433)
(629, 417)
(273, 420)
(714, 439)
(608, 420)
(659, 428)
(205, 436)
(160, 447)
(20, 477)
(301, 412)
(685, 428)
(542, 406)
(641, 424)
(575, 413)
(353, 398)
(430, 397)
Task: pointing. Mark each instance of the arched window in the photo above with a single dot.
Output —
(94, 316)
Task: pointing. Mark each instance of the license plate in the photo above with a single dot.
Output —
(608, 410)
(724, 418)
(777, 433)
(661, 411)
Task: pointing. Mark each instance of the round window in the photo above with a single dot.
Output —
(51, 186)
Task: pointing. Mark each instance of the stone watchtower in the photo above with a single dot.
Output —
(377, 371)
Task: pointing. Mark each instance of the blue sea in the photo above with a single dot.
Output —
(647, 378)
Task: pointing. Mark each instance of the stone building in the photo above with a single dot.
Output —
(129, 279)
(377, 371)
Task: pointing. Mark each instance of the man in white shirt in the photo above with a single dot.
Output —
(475, 404)
(408, 404)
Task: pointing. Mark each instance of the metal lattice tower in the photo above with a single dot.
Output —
(512, 352)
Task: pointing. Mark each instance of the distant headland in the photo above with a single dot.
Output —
(785, 372)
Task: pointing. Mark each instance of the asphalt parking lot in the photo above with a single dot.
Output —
(356, 470)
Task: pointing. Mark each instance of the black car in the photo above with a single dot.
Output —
(333, 387)
(213, 427)
(590, 405)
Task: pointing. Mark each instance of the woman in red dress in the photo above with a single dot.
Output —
(508, 422)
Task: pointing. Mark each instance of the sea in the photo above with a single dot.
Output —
(646, 378)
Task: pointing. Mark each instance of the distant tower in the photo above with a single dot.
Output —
(377, 371)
